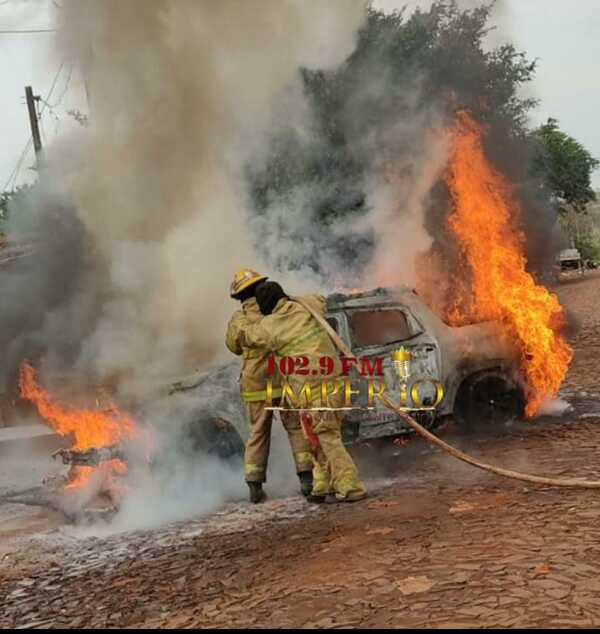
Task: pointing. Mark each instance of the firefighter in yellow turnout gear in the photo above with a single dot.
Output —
(253, 390)
(289, 330)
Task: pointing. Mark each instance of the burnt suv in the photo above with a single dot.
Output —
(475, 366)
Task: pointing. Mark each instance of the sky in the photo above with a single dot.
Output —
(563, 36)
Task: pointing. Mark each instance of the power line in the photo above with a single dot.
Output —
(29, 31)
(15, 173)
(58, 72)
(13, 176)
(21, 161)
(64, 92)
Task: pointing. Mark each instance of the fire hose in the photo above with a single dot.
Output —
(432, 438)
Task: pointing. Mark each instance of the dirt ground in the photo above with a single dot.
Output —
(437, 544)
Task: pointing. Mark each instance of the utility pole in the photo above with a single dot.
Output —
(33, 121)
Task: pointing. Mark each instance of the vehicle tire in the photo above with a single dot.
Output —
(214, 436)
(488, 402)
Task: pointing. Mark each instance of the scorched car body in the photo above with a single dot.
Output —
(474, 364)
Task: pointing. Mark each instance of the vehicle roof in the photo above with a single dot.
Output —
(374, 297)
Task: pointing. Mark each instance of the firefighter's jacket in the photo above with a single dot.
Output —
(253, 375)
(291, 331)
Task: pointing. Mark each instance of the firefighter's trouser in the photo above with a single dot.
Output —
(259, 442)
(335, 471)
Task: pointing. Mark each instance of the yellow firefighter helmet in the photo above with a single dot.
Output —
(243, 279)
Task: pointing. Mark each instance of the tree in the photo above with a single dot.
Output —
(406, 78)
(8, 200)
(565, 165)
(589, 246)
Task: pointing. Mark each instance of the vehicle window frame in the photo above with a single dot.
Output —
(343, 329)
(336, 326)
(413, 324)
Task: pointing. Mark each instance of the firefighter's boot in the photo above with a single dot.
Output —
(344, 484)
(351, 497)
(306, 483)
(257, 495)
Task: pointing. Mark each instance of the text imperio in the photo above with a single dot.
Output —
(318, 396)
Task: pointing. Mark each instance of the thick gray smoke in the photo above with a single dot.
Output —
(355, 201)
(144, 213)
(360, 196)
(357, 216)
(181, 94)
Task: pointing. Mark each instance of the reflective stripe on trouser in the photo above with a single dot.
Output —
(256, 396)
(258, 445)
(335, 471)
(321, 477)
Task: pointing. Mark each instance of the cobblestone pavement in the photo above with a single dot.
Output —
(438, 544)
(581, 298)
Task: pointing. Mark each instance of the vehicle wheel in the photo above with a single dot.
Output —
(214, 436)
(487, 402)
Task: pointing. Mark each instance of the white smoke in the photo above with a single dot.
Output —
(554, 407)
(402, 150)
(181, 95)
(399, 199)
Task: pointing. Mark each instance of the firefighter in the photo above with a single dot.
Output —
(289, 330)
(253, 380)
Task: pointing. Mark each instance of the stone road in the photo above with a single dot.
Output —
(438, 544)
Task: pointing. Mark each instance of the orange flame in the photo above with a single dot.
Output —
(79, 476)
(483, 219)
(90, 428)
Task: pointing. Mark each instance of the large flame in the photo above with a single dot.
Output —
(90, 428)
(485, 220)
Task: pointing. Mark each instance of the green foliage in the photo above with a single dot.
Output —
(436, 57)
(565, 165)
(9, 200)
(443, 49)
(4, 199)
(588, 245)
(405, 78)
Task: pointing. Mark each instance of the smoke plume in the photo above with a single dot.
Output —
(360, 194)
(181, 95)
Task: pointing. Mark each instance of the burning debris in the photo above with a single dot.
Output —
(91, 457)
(90, 428)
(98, 454)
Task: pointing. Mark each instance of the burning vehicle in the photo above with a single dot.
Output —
(495, 346)
(475, 365)
(498, 352)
